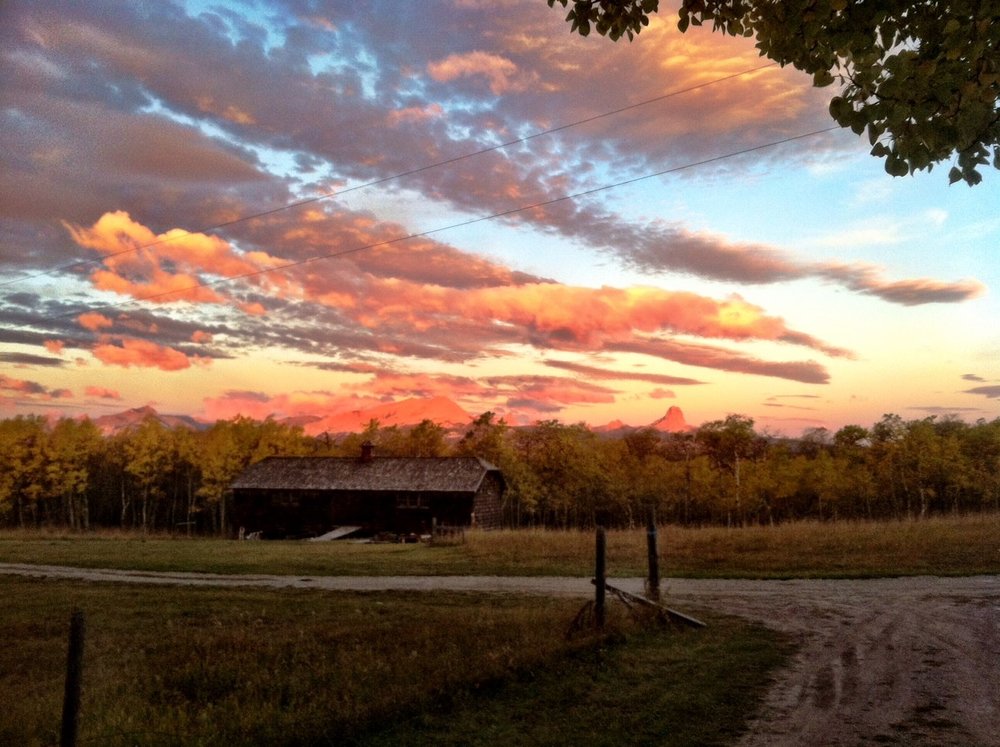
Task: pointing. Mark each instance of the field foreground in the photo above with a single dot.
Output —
(892, 661)
(898, 645)
(231, 666)
(941, 546)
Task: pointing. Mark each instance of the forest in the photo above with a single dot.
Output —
(67, 474)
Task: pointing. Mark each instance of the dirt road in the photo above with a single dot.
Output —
(909, 661)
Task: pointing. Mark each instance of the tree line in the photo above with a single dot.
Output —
(155, 478)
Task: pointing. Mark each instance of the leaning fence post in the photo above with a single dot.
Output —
(652, 554)
(74, 671)
(600, 577)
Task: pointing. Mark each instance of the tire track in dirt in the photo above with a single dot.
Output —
(889, 661)
(905, 661)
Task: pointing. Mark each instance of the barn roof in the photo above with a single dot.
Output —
(395, 474)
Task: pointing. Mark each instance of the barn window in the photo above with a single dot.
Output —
(411, 500)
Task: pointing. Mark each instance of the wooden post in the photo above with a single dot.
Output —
(600, 577)
(652, 554)
(74, 671)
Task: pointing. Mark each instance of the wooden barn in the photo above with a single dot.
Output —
(308, 496)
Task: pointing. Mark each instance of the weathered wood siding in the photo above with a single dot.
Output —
(487, 504)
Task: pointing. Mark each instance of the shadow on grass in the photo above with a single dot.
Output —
(660, 686)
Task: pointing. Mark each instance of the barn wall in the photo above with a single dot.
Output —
(281, 514)
(487, 504)
(288, 513)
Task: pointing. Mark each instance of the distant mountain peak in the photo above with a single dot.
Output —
(128, 419)
(672, 422)
(614, 425)
(405, 412)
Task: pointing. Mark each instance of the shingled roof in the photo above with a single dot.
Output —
(377, 474)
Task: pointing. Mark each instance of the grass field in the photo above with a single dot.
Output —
(939, 546)
(173, 666)
(182, 666)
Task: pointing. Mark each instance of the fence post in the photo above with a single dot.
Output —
(600, 577)
(74, 671)
(653, 556)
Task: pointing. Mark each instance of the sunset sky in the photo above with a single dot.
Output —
(289, 207)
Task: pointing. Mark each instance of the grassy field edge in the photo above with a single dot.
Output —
(221, 667)
(945, 546)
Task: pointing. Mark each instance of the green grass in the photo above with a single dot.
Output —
(690, 689)
(941, 546)
(230, 667)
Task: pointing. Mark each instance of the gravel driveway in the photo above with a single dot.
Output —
(907, 661)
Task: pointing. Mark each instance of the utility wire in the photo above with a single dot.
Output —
(384, 179)
(460, 224)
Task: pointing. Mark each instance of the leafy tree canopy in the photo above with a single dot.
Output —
(922, 79)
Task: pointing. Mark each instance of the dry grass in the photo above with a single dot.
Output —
(942, 545)
(221, 667)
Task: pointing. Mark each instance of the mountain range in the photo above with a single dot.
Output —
(123, 421)
(407, 412)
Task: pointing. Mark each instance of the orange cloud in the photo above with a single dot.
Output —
(21, 386)
(499, 71)
(394, 385)
(102, 393)
(253, 309)
(414, 114)
(142, 354)
(93, 321)
(593, 372)
(32, 389)
(162, 288)
(201, 336)
(54, 346)
(136, 260)
(567, 316)
(233, 113)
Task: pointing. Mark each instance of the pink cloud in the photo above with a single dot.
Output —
(710, 356)
(93, 321)
(414, 114)
(595, 372)
(868, 279)
(499, 71)
(102, 393)
(21, 386)
(32, 390)
(142, 354)
(136, 260)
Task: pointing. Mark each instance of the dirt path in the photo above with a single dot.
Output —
(891, 661)
(911, 661)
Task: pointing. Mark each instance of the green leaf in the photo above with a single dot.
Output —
(896, 166)
(822, 78)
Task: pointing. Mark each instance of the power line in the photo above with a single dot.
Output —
(461, 224)
(420, 169)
